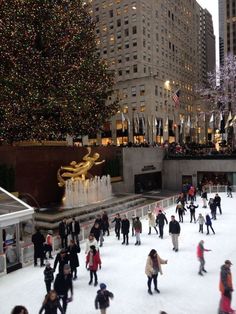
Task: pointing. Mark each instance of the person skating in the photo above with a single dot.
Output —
(153, 267)
(137, 230)
(209, 224)
(174, 231)
(192, 209)
(19, 309)
(132, 224)
(226, 283)
(73, 250)
(125, 225)
(48, 245)
(62, 285)
(99, 221)
(51, 304)
(212, 206)
(151, 221)
(102, 300)
(89, 242)
(74, 229)
(62, 258)
(160, 221)
(180, 209)
(225, 304)
(63, 232)
(93, 260)
(38, 241)
(217, 201)
(105, 223)
(96, 231)
(229, 190)
(117, 221)
(200, 256)
(204, 198)
(48, 276)
(201, 222)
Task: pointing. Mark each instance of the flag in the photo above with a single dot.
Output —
(220, 121)
(143, 125)
(211, 122)
(123, 121)
(228, 120)
(181, 125)
(233, 120)
(128, 120)
(175, 98)
(159, 127)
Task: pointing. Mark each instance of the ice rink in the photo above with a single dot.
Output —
(183, 291)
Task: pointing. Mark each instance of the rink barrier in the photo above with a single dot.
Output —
(219, 188)
(3, 265)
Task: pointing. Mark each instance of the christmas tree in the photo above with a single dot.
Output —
(52, 81)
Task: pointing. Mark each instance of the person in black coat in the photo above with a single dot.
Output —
(62, 258)
(160, 221)
(74, 229)
(217, 201)
(63, 284)
(63, 233)
(192, 209)
(229, 190)
(105, 223)
(99, 221)
(204, 198)
(212, 206)
(38, 240)
(102, 299)
(180, 210)
(48, 276)
(117, 221)
(96, 231)
(73, 249)
(125, 225)
(51, 304)
(174, 231)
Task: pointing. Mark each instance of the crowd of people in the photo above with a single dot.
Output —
(59, 287)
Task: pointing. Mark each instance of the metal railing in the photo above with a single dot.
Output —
(219, 188)
(3, 264)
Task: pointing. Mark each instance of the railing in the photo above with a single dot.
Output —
(3, 265)
(219, 188)
(27, 255)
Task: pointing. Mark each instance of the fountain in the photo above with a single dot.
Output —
(80, 187)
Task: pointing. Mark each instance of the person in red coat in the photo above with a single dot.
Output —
(225, 306)
(200, 256)
(92, 262)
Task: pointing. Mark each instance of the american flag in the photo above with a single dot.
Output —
(176, 98)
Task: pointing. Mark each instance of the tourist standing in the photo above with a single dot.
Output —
(180, 210)
(48, 276)
(89, 242)
(192, 209)
(174, 231)
(96, 231)
(51, 304)
(212, 206)
(99, 221)
(62, 258)
(204, 198)
(62, 285)
(38, 241)
(132, 224)
(137, 230)
(125, 225)
(63, 232)
(217, 201)
(73, 251)
(105, 223)
(209, 224)
(200, 256)
(117, 221)
(74, 228)
(226, 285)
(153, 267)
(93, 260)
(102, 300)
(201, 221)
(151, 221)
(160, 221)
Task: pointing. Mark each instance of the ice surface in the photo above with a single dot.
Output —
(183, 291)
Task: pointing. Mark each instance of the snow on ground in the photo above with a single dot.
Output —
(183, 291)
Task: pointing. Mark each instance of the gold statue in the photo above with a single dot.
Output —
(78, 171)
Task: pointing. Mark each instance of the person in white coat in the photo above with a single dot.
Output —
(89, 242)
(151, 221)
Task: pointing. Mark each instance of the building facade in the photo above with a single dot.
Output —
(153, 47)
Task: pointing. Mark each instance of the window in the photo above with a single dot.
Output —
(135, 68)
(127, 57)
(134, 30)
(120, 72)
(111, 13)
(142, 107)
(134, 43)
(118, 22)
(135, 57)
(126, 32)
(133, 91)
(127, 45)
(142, 90)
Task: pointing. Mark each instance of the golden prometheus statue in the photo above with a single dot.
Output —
(78, 171)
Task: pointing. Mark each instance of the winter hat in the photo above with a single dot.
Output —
(103, 286)
(228, 262)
